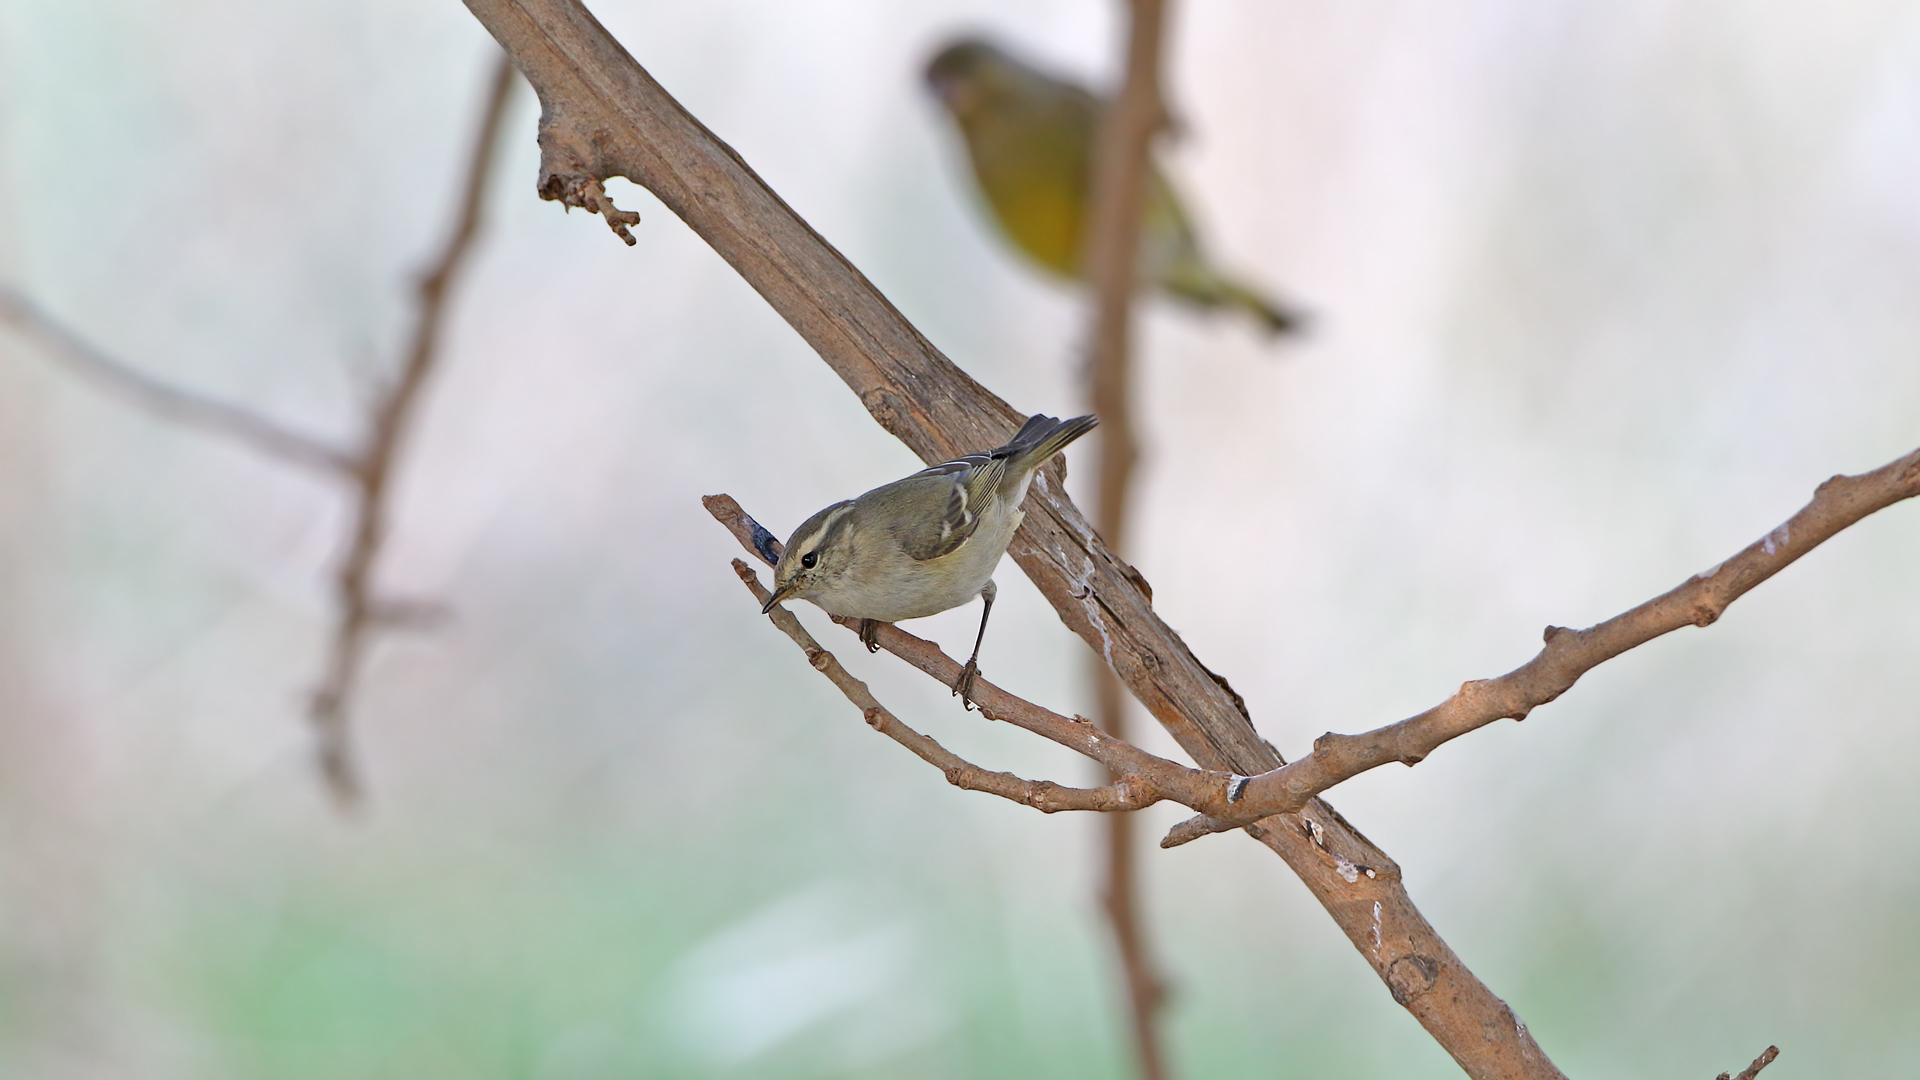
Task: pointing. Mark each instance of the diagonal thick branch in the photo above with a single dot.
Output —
(1569, 654)
(602, 116)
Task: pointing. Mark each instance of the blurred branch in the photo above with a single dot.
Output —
(66, 347)
(1765, 1059)
(1569, 654)
(602, 115)
(1123, 157)
(367, 469)
(359, 610)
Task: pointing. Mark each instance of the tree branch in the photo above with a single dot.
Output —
(1116, 207)
(1569, 654)
(1042, 795)
(603, 116)
(360, 611)
(66, 347)
(1765, 1059)
(1154, 778)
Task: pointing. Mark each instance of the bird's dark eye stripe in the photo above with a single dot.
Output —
(807, 560)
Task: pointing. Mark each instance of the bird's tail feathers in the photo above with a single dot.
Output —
(1041, 438)
(1274, 317)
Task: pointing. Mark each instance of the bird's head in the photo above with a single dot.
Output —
(817, 556)
(970, 72)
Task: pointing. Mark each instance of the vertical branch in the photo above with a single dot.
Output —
(1123, 156)
(360, 612)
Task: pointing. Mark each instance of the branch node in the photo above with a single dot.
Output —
(589, 194)
(1553, 632)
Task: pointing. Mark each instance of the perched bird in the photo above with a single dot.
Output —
(924, 544)
(1030, 137)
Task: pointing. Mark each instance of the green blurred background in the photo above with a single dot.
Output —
(1602, 289)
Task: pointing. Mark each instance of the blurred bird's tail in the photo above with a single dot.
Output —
(1275, 318)
(1193, 280)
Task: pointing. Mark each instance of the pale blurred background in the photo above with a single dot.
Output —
(1603, 289)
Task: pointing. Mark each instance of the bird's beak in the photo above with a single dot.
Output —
(779, 594)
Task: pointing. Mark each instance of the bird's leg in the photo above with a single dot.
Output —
(868, 628)
(963, 686)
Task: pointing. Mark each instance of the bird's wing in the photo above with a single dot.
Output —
(944, 504)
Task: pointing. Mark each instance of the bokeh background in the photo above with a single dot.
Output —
(1604, 288)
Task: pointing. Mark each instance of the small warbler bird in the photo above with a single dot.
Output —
(1030, 137)
(924, 544)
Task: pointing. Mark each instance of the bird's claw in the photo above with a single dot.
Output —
(963, 686)
(868, 628)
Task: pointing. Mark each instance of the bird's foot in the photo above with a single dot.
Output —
(868, 628)
(963, 686)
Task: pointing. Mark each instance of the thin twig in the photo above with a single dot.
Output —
(1116, 205)
(68, 348)
(1765, 1059)
(1569, 654)
(1043, 795)
(360, 611)
(1154, 778)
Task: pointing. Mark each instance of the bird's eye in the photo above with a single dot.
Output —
(807, 560)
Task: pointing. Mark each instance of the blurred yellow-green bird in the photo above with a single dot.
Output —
(1030, 137)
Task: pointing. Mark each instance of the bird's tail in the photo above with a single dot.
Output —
(1192, 279)
(1274, 317)
(1041, 438)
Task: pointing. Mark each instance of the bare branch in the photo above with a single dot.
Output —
(1153, 778)
(1042, 795)
(603, 116)
(1765, 1059)
(361, 611)
(143, 391)
(1116, 207)
(1569, 654)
